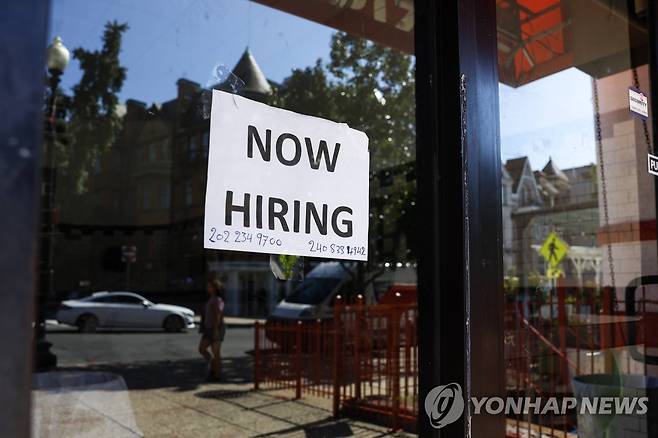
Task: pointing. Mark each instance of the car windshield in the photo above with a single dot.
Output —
(313, 290)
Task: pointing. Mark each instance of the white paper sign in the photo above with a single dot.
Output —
(638, 103)
(285, 183)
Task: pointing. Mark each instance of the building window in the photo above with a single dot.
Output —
(188, 193)
(166, 150)
(153, 153)
(146, 198)
(165, 196)
(193, 148)
(205, 143)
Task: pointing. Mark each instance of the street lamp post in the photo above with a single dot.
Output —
(57, 59)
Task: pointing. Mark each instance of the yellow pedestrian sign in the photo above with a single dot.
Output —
(554, 249)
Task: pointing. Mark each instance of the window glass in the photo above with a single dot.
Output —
(193, 148)
(103, 300)
(205, 143)
(165, 196)
(579, 242)
(153, 152)
(127, 299)
(189, 194)
(138, 87)
(313, 290)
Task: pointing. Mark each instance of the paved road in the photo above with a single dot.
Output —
(105, 347)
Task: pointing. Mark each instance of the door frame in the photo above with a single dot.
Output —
(460, 267)
(22, 42)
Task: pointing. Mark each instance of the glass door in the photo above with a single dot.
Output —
(579, 217)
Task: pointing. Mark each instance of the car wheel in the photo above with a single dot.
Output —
(173, 323)
(87, 323)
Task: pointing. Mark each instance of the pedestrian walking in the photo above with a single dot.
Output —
(212, 328)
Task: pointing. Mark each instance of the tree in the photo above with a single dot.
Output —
(371, 88)
(307, 91)
(93, 121)
(374, 92)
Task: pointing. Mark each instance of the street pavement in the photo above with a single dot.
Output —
(130, 346)
(169, 396)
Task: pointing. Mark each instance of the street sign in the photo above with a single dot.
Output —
(554, 249)
(129, 253)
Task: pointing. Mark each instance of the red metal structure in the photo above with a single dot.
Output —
(366, 359)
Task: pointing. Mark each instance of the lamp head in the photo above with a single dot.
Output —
(58, 56)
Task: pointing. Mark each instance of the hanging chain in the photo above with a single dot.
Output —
(604, 191)
(599, 146)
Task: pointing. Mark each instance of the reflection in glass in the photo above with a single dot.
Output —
(579, 321)
(131, 155)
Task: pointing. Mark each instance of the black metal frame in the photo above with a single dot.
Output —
(652, 23)
(460, 274)
(23, 29)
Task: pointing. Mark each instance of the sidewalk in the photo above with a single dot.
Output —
(226, 410)
(171, 399)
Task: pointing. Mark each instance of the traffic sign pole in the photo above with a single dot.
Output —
(128, 275)
(128, 256)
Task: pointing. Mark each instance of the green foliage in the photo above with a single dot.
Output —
(288, 263)
(374, 92)
(307, 91)
(537, 280)
(371, 88)
(367, 86)
(93, 121)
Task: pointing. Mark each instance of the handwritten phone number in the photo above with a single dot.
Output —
(333, 248)
(242, 237)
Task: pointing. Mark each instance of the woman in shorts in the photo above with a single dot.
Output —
(212, 327)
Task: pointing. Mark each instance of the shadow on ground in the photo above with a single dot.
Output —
(181, 375)
(323, 424)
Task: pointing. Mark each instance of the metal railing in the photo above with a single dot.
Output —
(364, 360)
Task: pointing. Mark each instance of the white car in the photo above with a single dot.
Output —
(124, 310)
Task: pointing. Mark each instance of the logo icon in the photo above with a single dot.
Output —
(444, 404)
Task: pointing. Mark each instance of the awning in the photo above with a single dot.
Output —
(387, 22)
(536, 38)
